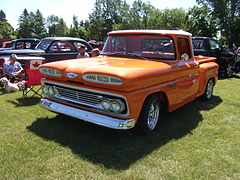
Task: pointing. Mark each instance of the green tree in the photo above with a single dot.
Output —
(77, 29)
(6, 30)
(107, 15)
(38, 25)
(201, 21)
(168, 19)
(140, 13)
(2, 16)
(31, 25)
(228, 15)
(62, 28)
(24, 30)
(56, 26)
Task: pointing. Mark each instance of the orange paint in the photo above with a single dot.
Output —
(179, 80)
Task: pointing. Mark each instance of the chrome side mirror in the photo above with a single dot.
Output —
(184, 57)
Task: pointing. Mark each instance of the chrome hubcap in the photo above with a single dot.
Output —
(153, 115)
(209, 89)
(229, 70)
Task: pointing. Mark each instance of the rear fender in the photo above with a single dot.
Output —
(206, 72)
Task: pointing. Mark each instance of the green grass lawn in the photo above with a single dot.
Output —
(198, 141)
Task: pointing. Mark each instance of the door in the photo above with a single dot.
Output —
(187, 73)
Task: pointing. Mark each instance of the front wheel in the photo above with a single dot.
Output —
(150, 115)
(209, 90)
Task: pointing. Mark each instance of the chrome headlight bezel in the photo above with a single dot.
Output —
(113, 105)
(50, 91)
(50, 71)
(104, 79)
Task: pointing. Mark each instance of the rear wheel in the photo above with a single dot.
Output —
(229, 69)
(150, 115)
(209, 90)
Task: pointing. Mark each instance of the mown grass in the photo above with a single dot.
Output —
(197, 141)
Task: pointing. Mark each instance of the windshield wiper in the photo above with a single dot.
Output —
(124, 53)
(112, 53)
(135, 55)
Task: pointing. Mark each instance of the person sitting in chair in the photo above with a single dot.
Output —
(12, 68)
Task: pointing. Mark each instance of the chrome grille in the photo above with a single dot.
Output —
(78, 96)
(82, 96)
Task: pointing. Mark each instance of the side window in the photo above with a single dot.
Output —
(20, 45)
(119, 44)
(161, 47)
(61, 47)
(78, 44)
(198, 43)
(184, 48)
(28, 45)
(214, 45)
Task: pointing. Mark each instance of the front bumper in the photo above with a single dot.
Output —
(87, 116)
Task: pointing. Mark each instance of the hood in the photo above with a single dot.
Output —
(134, 73)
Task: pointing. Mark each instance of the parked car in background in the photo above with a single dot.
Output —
(96, 44)
(52, 49)
(6, 44)
(26, 43)
(207, 46)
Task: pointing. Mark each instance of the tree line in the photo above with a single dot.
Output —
(211, 18)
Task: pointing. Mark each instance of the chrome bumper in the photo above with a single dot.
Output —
(87, 116)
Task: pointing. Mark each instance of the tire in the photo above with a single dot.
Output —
(208, 91)
(229, 70)
(150, 115)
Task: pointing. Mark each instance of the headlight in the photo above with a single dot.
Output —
(105, 79)
(117, 106)
(50, 91)
(106, 104)
(45, 89)
(50, 71)
(114, 105)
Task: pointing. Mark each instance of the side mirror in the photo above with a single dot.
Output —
(184, 57)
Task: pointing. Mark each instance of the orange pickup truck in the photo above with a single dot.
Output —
(138, 74)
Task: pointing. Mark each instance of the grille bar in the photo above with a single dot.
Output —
(84, 97)
(79, 96)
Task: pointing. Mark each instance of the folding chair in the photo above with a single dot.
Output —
(2, 60)
(33, 84)
(33, 78)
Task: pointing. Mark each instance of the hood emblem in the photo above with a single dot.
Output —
(72, 75)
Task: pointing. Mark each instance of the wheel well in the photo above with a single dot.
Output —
(214, 80)
(163, 99)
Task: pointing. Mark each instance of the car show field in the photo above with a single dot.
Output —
(197, 141)
(120, 90)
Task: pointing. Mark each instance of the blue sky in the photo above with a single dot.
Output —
(67, 8)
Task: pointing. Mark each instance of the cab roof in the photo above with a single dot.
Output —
(175, 32)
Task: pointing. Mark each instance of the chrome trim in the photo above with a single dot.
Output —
(95, 78)
(82, 88)
(48, 71)
(72, 75)
(92, 117)
(90, 90)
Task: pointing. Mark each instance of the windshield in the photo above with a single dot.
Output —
(43, 44)
(144, 46)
